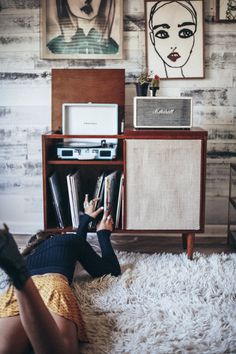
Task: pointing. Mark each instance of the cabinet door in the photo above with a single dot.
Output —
(163, 184)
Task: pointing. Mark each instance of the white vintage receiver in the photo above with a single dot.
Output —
(162, 112)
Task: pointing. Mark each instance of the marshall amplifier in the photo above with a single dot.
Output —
(162, 112)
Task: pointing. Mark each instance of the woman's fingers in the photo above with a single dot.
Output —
(109, 220)
(90, 206)
(106, 222)
(98, 211)
(86, 202)
(93, 201)
(105, 215)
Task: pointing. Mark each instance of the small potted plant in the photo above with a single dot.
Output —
(155, 84)
(142, 84)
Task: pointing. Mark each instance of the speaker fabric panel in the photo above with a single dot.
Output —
(163, 180)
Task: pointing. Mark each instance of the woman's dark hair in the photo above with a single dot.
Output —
(35, 241)
(62, 9)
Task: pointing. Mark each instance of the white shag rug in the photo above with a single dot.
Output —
(162, 303)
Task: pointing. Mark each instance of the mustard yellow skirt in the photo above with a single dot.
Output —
(57, 296)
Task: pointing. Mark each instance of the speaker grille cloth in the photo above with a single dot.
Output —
(163, 184)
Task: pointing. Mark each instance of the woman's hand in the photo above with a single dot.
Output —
(106, 223)
(90, 207)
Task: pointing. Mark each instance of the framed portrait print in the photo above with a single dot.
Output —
(226, 10)
(81, 29)
(174, 38)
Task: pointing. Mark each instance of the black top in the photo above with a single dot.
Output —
(59, 254)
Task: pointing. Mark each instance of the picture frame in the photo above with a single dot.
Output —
(175, 39)
(225, 11)
(79, 29)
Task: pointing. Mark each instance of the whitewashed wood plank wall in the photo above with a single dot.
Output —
(25, 112)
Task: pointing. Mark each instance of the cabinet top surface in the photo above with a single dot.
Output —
(135, 131)
(141, 133)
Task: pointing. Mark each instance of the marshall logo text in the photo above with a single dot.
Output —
(163, 111)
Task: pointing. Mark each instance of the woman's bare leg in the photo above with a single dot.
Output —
(68, 332)
(48, 332)
(38, 323)
(13, 336)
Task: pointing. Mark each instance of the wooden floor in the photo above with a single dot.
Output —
(170, 244)
(159, 244)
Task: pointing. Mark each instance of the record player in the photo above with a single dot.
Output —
(87, 151)
(89, 119)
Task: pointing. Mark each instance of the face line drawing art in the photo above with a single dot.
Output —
(186, 29)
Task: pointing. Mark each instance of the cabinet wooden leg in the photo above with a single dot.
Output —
(184, 241)
(190, 238)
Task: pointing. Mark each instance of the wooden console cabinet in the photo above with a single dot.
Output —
(164, 180)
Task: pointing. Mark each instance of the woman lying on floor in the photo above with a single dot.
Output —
(39, 308)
